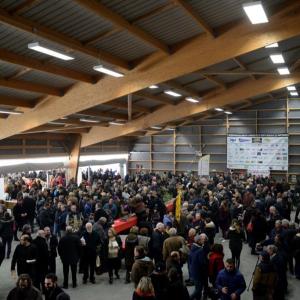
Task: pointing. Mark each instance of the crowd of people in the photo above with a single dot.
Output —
(76, 224)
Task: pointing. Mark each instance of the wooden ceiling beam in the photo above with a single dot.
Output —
(214, 80)
(243, 67)
(135, 107)
(195, 55)
(157, 98)
(191, 12)
(34, 136)
(152, 13)
(189, 91)
(73, 121)
(295, 65)
(102, 11)
(105, 114)
(57, 37)
(35, 64)
(233, 94)
(23, 6)
(101, 36)
(31, 87)
(12, 101)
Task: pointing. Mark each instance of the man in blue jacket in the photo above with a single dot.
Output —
(230, 282)
(198, 264)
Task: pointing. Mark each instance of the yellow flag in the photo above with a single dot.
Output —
(178, 206)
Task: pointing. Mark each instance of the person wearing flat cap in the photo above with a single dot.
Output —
(265, 278)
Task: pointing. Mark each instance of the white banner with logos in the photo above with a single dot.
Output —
(259, 152)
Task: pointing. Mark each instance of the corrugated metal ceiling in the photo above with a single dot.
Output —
(8, 70)
(124, 45)
(171, 26)
(45, 78)
(19, 94)
(67, 17)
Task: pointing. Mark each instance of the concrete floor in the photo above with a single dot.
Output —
(119, 290)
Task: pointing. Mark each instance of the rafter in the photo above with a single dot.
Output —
(178, 86)
(57, 37)
(31, 87)
(108, 114)
(117, 20)
(44, 67)
(153, 12)
(234, 94)
(295, 65)
(243, 66)
(73, 121)
(135, 107)
(157, 98)
(195, 55)
(191, 12)
(23, 6)
(101, 36)
(214, 80)
(13, 101)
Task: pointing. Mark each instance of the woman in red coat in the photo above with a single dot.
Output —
(215, 263)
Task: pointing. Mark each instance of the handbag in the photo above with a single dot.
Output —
(250, 227)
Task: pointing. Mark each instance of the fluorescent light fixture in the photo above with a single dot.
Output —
(153, 87)
(277, 58)
(116, 123)
(228, 112)
(10, 112)
(191, 99)
(291, 88)
(169, 128)
(64, 118)
(107, 71)
(89, 120)
(274, 45)
(294, 94)
(37, 47)
(255, 12)
(56, 123)
(156, 127)
(219, 109)
(283, 71)
(172, 93)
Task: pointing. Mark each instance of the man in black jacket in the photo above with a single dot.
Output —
(20, 214)
(42, 258)
(52, 244)
(52, 290)
(157, 242)
(69, 249)
(25, 257)
(91, 242)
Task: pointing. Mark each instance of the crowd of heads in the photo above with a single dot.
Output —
(243, 209)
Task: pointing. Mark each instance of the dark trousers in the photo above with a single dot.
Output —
(66, 267)
(297, 267)
(113, 264)
(89, 264)
(7, 242)
(235, 255)
(52, 264)
(197, 293)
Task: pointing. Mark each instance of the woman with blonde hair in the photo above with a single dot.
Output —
(113, 254)
(144, 290)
